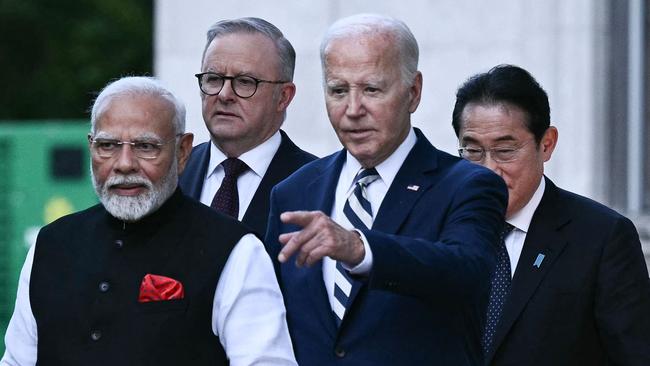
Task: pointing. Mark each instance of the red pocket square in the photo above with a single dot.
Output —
(158, 288)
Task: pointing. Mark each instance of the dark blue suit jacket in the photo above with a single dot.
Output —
(424, 301)
(287, 160)
(588, 302)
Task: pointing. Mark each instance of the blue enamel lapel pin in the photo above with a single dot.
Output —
(538, 260)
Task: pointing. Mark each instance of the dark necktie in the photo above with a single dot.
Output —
(358, 211)
(500, 289)
(226, 200)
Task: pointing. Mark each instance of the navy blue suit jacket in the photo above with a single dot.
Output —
(424, 300)
(287, 160)
(588, 302)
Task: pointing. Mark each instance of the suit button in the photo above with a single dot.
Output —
(104, 286)
(95, 335)
(339, 352)
(119, 243)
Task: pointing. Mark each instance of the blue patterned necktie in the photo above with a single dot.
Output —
(358, 211)
(500, 289)
(226, 200)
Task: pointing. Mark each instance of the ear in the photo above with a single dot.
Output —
(415, 92)
(549, 140)
(184, 150)
(286, 96)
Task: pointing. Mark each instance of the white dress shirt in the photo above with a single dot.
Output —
(258, 160)
(521, 221)
(248, 313)
(376, 192)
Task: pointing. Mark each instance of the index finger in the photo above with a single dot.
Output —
(300, 218)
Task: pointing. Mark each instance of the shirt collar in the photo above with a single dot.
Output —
(521, 219)
(387, 169)
(258, 159)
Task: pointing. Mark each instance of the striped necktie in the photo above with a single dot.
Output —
(358, 211)
(500, 289)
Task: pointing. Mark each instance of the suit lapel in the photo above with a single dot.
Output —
(191, 181)
(544, 243)
(282, 165)
(411, 181)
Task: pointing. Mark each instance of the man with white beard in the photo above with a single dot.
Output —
(149, 276)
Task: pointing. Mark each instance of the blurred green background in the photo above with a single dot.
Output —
(55, 55)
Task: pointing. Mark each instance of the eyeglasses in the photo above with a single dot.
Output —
(505, 154)
(143, 149)
(244, 86)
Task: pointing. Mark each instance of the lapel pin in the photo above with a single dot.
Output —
(413, 187)
(538, 260)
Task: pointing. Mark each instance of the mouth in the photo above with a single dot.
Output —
(358, 133)
(128, 189)
(226, 114)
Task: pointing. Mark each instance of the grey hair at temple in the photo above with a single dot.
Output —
(134, 86)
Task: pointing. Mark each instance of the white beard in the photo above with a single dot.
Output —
(133, 208)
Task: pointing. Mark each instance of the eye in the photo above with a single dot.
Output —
(336, 90)
(472, 153)
(107, 145)
(504, 153)
(371, 90)
(212, 78)
(245, 81)
(145, 146)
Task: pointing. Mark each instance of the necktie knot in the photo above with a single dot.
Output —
(507, 228)
(366, 176)
(234, 167)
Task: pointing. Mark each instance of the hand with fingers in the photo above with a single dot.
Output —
(320, 236)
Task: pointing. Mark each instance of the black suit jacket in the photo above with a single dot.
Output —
(588, 302)
(287, 159)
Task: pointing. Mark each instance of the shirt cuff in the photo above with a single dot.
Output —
(365, 266)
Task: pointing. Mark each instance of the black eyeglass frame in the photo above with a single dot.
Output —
(199, 76)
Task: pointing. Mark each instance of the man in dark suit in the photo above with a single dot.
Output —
(574, 288)
(383, 249)
(246, 86)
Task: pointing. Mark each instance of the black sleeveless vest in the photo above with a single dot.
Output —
(86, 279)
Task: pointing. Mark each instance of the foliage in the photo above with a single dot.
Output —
(56, 54)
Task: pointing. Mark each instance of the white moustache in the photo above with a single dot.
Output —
(128, 179)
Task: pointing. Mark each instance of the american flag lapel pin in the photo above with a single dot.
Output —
(412, 187)
(538, 260)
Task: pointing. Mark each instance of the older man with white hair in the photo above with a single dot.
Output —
(384, 249)
(149, 276)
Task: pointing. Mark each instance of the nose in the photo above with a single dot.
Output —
(126, 162)
(490, 163)
(227, 93)
(355, 108)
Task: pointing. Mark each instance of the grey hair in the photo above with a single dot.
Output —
(136, 86)
(374, 24)
(250, 25)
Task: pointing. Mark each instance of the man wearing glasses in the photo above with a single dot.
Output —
(149, 276)
(246, 86)
(571, 285)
